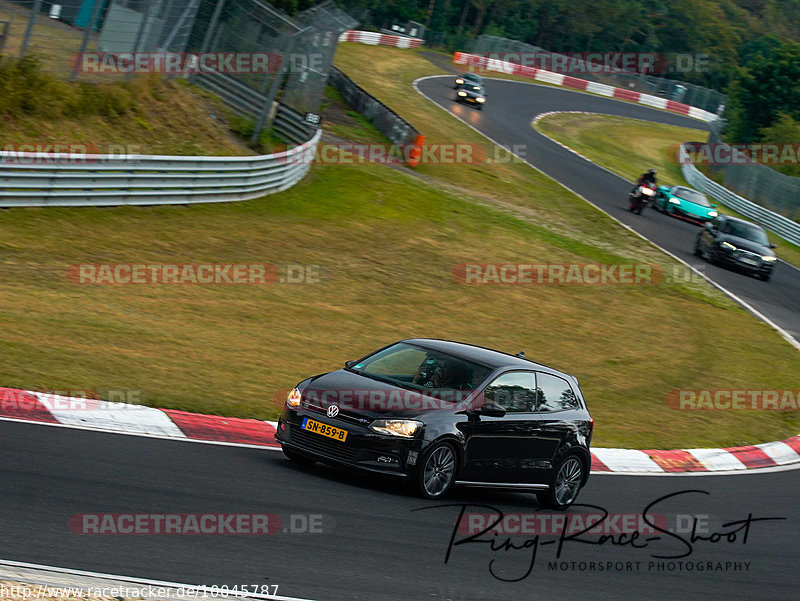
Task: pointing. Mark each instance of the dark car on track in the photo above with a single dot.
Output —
(468, 78)
(438, 413)
(473, 94)
(737, 243)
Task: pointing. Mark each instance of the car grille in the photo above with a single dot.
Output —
(343, 416)
(750, 255)
(321, 444)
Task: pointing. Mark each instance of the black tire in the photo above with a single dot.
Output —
(437, 471)
(697, 251)
(568, 477)
(297, 458)
(765, 276)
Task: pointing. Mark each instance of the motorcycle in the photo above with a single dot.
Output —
(643, 195)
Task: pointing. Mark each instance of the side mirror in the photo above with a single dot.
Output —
(348, 364)
(713, 206)
(709, 226)
(773, 246)
(492, 410)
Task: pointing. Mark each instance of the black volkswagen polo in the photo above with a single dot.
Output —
(441, 413)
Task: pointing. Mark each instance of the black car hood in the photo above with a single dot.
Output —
(745, 244)
(361, 396)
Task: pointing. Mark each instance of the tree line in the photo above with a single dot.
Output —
(752, 44)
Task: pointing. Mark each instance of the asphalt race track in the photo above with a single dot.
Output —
(373, 544)
(506, 119)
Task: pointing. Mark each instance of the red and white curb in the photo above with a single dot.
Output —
(167, 423)
(380, 39)
(559, 79)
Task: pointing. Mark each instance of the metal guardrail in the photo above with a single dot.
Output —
(784, 227)
(389, 123)
(44, 179)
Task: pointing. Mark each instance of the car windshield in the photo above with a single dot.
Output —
(420, 368)
(473, 77)
(474, 88)
(694, 196)
(748, 231)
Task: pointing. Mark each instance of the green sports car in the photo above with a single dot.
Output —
(685, 203)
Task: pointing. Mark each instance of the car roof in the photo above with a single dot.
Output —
(478, 354)
(737, 220)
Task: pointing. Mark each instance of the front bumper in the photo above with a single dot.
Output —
(747, 262)
(363, 449)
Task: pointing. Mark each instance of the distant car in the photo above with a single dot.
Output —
(472, 94)
(737, 243)
(438, 413)
(467, 78)
(685, 203)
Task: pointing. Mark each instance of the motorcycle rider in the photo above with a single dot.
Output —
(647, 177)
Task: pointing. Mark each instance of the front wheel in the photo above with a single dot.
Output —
(565, 485)
(437, 471)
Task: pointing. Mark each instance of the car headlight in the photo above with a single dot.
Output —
(294, 398)
(675, 201)
(712, 213)
(462, 93)
(459, 81)
(728, 245)
(480, 99)
(647, 192)
(769, 259)
(405, 428)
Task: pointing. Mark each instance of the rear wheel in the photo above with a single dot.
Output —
(297, 458)
(565, 485)
(437, 471)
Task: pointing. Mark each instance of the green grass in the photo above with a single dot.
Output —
(629, 147)
(387, 241)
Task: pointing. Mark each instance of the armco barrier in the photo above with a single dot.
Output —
(42, 179)
(785, 228)
(483, 63)
(389, 123)
(380, 39)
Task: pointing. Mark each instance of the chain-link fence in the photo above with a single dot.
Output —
(312, 54)
(671, 89)
(67, 35)
(243, 50)
(758, 183)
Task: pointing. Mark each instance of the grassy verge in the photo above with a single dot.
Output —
(386, 242)
(629, 147)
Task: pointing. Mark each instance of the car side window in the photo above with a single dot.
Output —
(555, 394)
(515, 392)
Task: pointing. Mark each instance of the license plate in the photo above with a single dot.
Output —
(325, 430)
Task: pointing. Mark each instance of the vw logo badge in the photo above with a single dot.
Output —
(333, 411)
